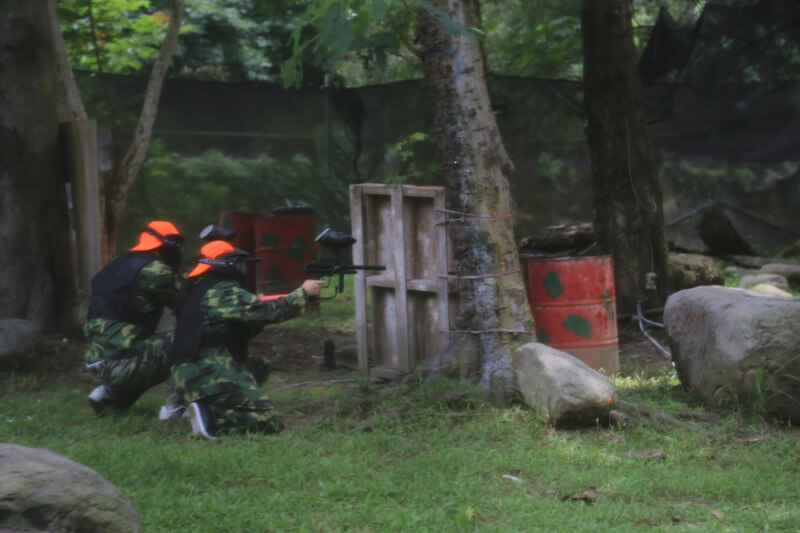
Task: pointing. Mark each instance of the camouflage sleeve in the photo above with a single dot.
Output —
(227, 301)
(157, 287)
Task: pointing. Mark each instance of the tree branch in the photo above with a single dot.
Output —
(132, 162)
(408, 44)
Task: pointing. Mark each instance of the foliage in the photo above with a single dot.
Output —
(128, 33)
(413, 457)
(710, 182)
(192, 191)
(236, 40)
(732, 279)
(537, 39)
(371, 29)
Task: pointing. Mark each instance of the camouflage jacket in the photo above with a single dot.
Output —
(227, 302)
(156, 287)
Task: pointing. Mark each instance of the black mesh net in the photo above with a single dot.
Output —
(723, 108)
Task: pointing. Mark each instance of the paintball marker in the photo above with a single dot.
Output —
(336, 241)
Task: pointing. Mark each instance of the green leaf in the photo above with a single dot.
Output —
(378, 9)
(452, 27)
(336, 35)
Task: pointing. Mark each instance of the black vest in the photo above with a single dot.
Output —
(114, 292)
(189, 337)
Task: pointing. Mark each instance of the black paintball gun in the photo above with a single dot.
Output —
(337, 242)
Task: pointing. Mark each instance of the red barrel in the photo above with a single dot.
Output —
(243, 225)
(284, 241)
(573, 304)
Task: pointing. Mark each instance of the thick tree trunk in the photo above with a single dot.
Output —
(37, 92)
(119, 187)
(494, 317)
(627, 196)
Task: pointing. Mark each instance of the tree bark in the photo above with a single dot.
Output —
(493, 316)
(118, 188)
(37, 92)
(629, 219)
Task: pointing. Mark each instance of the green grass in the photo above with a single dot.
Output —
(417, 457)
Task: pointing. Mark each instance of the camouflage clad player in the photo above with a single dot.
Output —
(123, 350)
(217, 317)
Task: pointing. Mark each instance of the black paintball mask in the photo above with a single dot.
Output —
(232, 265)
(170, 249)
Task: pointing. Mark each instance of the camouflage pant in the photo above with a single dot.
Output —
(130, 377)
(230, 390)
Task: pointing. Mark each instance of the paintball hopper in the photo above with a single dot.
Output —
(335, 240)
(217, 233)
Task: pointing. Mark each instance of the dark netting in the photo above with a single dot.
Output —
(723, 106)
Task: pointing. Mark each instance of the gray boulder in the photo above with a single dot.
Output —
(772, 290)
(734, 345)
(19, 341)
(733, 270)
(789, 271)
(691, 270)
(41, 490)
(561, 387)
(770, 279)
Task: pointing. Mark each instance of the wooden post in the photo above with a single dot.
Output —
(80, 142)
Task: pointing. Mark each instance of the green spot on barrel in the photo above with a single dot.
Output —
(226, 223)
(298, 248)
(552, 284)
(578, 325)
(269, 240)
(543, 337)
(275, 276)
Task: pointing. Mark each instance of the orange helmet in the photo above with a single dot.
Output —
(219, 254)
(156, 234)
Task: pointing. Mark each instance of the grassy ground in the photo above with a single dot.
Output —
(414, 456)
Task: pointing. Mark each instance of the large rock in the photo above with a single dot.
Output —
(19, 342)
(775, 280)
(772, 290)
(732, 343)
(565, 390)
(685, 271)
(789, 271)
(43, 491)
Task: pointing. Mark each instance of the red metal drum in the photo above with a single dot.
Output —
(284, 241)
(242, 224)
(573, 304)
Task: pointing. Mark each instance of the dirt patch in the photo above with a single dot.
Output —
(298, 351)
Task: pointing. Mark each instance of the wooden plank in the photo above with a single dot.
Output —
(383, 372)
(379, 189)
(382, 281)
(401, 306)
(359, 290)
(443, 254)
(82, 155)
(421, 191)
(423, 285)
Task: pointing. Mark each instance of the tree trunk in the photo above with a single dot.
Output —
(627, 197)
(119, 187)
(37, 92)
(493, 317)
